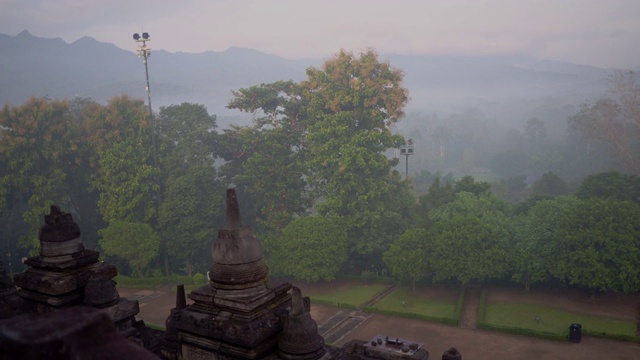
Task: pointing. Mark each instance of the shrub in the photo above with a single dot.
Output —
(199, 279)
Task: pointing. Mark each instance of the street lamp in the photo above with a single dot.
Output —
(144, 52)
(407, 150)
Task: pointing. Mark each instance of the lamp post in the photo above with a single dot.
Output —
(407, 150)
(144, 52)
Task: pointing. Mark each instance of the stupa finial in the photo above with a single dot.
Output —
(297, 307)
(233, 210)
(236, 253)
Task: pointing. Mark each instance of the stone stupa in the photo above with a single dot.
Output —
(300, 338)
(65, 274)
(240, 313)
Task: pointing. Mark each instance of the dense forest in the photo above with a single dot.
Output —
(320, 182)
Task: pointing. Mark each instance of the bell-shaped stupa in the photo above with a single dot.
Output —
(300, 339)
(238, 314)
(238, 264)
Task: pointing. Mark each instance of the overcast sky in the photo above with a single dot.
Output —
(603, 33)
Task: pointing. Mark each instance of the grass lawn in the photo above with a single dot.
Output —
(403, 300)
(152, 282)
(354, 295)
(545, 319)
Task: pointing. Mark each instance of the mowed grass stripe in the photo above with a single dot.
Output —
(354, 295)
(404, 300)
(546, 319)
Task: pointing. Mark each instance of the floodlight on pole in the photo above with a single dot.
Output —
(144, 52)
(407, 150)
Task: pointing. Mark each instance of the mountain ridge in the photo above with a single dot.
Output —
(35, 66)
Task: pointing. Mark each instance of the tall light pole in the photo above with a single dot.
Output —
(144, 52)
(407, 150)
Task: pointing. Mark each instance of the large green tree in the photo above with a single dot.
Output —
(126, 181)
(135, 242)
(468, 240)
(531, 252)
(188, 217)
(311, 248)
(440, 194)
(468, 184)
(276, 104)
(612, 185)
(550, 185)
(322, 142)
(266, 159)
(125, 177)
(192, 193)
(351, 102)
(598, 246)
(408, 255)
(43, 161)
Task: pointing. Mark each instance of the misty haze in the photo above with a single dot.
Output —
(436, 188)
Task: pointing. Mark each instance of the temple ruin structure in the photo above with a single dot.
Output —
(239, 314)
(66, 305)
(65, 275)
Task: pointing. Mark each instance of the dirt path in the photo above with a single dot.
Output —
(487, 345)
(436, 338)
(470, 305)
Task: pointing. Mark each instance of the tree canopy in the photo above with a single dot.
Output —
(321, 145)
(319, 153)
(598, 246)
(468, 240)
(311, 248)
(532, 250)
(192, 193)
(408, 256)
(614, 120)
(135, 242)
(610, 184)
(45, 158)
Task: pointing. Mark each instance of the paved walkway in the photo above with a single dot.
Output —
(346, 321)
(470, 306)
(155, 305)
(341, 324)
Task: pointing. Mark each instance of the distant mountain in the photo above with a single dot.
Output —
(33, 66)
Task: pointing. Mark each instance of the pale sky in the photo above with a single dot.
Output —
(604, 33)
